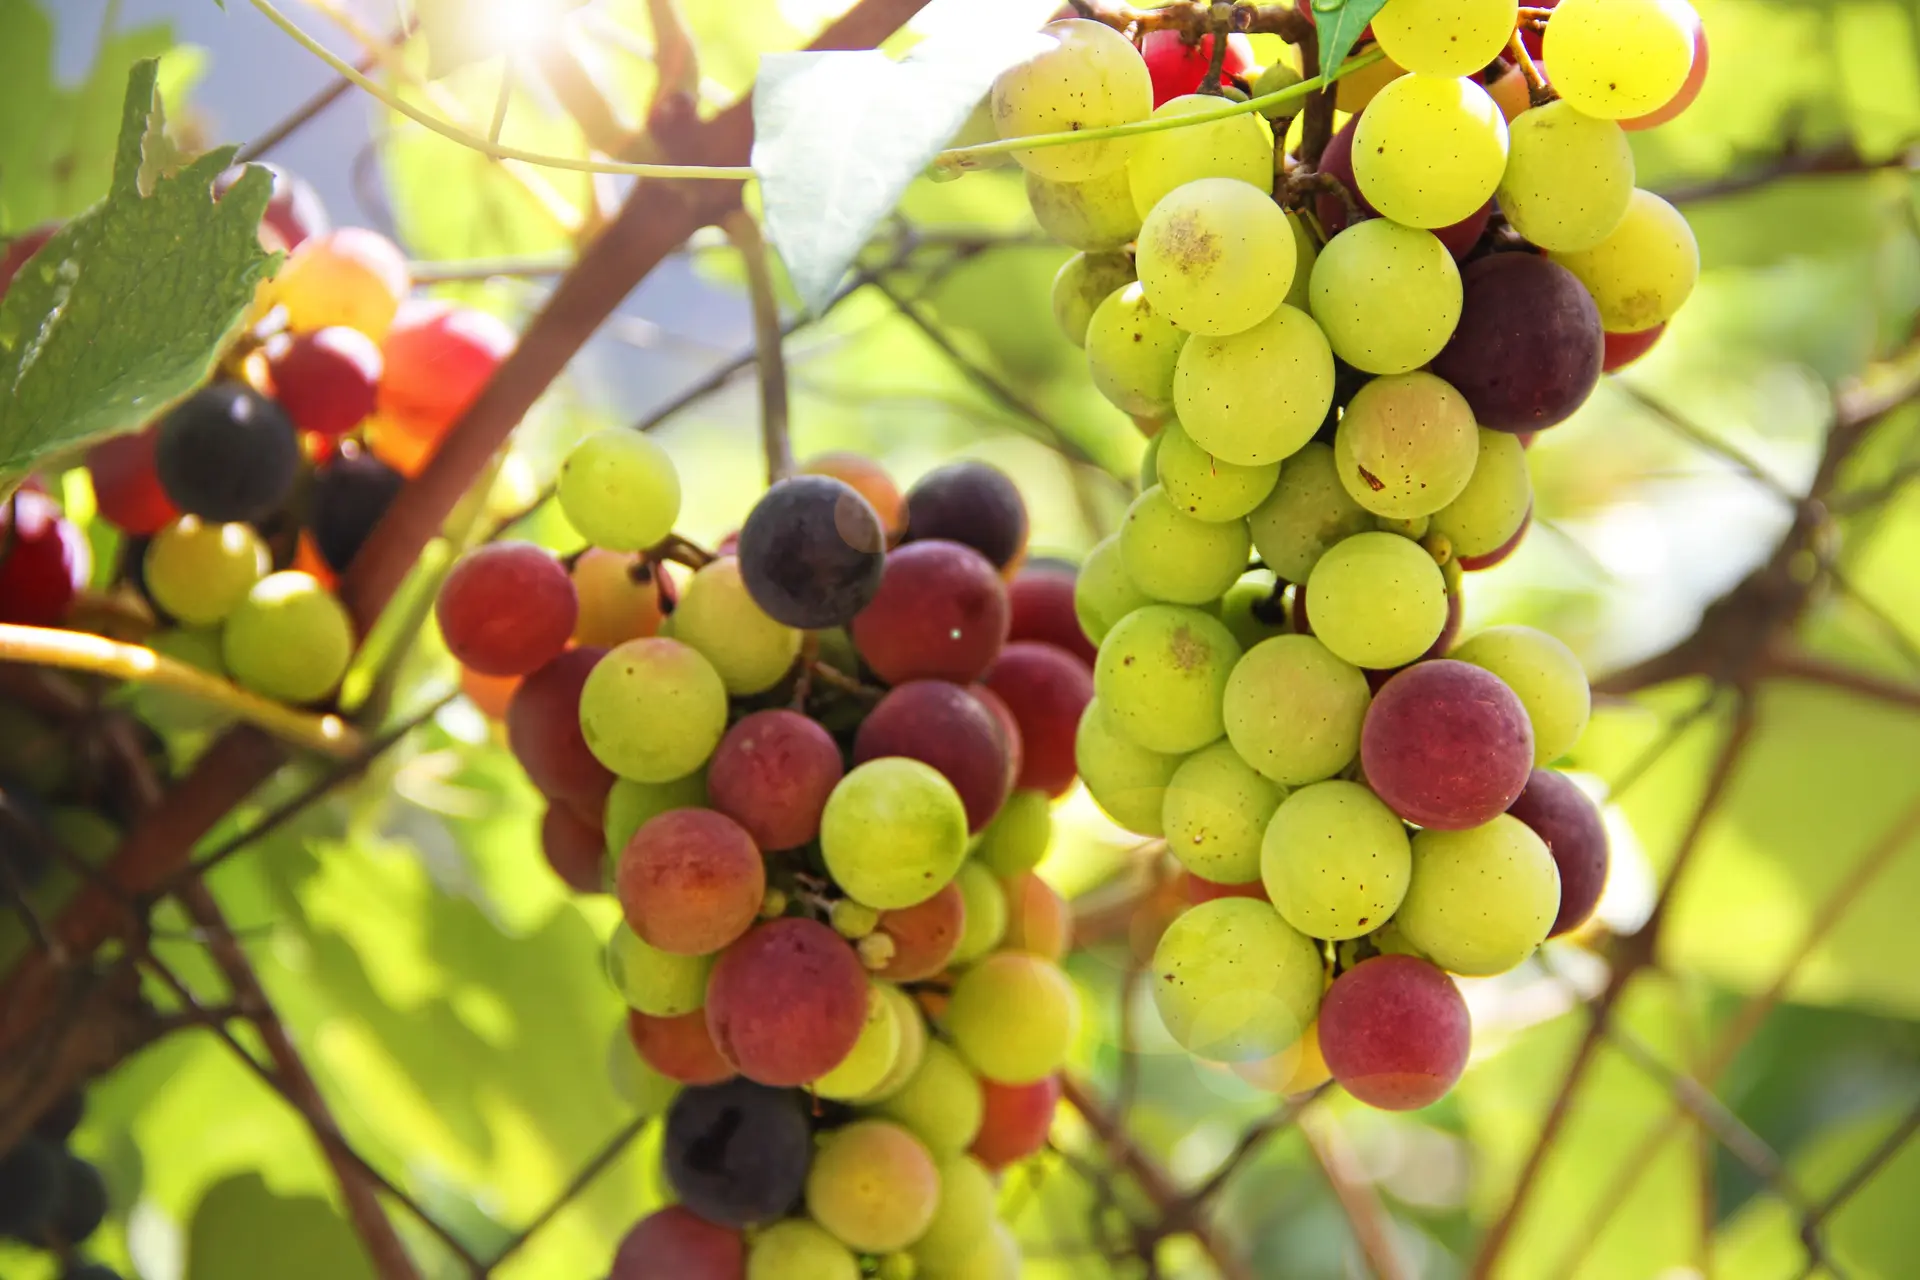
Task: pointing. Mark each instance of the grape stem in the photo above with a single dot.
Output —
(1538, 93)
(768, 342)
(1221, 19)
(326, 733)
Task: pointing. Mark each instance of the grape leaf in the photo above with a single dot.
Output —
(126, 308)
(1340, 23)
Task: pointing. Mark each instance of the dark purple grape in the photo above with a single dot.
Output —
(1562, 816)
(57, 1122)
(737, 1153)
(82, 1203)
(1528, 347)
(29, 1188)
(227, 453)
(350, 494)
(969, 502)
(812, 552)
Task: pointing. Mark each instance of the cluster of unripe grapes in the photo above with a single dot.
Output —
(1339, 367)
(815, 769)
(52, 1198)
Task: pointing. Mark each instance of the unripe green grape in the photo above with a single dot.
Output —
(1308, 511)
(1126, 780)
(872, 1055)
(1569, 177)
(799, 1249)
(1014, 1017)
(914, 1045)
(1429, 150)
(965, 1217)
(1293, 710)
(1547, 678)
(1306, 252)
(1445, 37)
(1489, 510)
(1377, 600)
(893, 832)
(1406, 446)
(1083, 282)
(1275, 78)
(1172, 556)
(1618, 59)
(631, 805)
(289, 638)
(1238, 147)
(717, 618)
(942, 1103)
(653, 710)
(1132, 348)
(1250, 611)
(1234, 982)
(1387, 296)
(1090, 77)
(852, 920)
(656, 982)
(1482, 899)
(1215, 255)
(1643, 272)
(1103, 592)
(1160, 674)
(1017, 838)
(1335, 860)
(1257, 396)
(619, 490)
(996, 1257)
(985, 920)
(1204, 487)
(200, 572)
(1094, 215)
(1216, 809)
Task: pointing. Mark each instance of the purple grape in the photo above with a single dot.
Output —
(1528, 347)
(1562, 816)
(1447, 745)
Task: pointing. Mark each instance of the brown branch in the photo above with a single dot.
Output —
(1316, 126)
(1372, 1226)
(768, 342)
(1806, 667)
(1255, 1136)
(1840, 158)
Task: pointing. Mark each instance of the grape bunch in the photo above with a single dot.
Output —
(1339, 365)
(52, 1198)
(816, 772)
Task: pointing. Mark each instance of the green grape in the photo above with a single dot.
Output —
(1406, 445)
(1489, 510)
(914, 1046)
(897, 1266)
(619, 490)
(653, 981)
(965, 1218)
(1094, 215)
(1215, 255)
(719, 620)
(1234, 982)
(1090, 77)
(1306, 252)
(1126, 780)
(1335, 860)
(634, 1080)
(1238, 147)
(873, 1054)
(1546, 676)
(1216, 808)
(200, 572)
(852, 920)
(1132, 348)
(1377, 600)
(1482, 899)
(1104, 593)
(1017, 838)
(1258, 396)
(1204, 487)
(1569, 177)
(653, 710)
(631, 805)
(1308, 511)
(942, 1103)
(1159, 676)
(1173, 556)
(1618, 59)
(994, 1257)
(985, 921)
(289, 638)
(1430, 149)
(1641, 274)
(1083, 282)
(1250, 611)
(1014, 1016)
(1445, 37)
(1386, 296)
(1293, 710)
(874, 1186)
(893, 833)
(798, 1249)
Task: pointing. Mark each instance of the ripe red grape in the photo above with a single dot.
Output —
(1570, 825)
(126, 483)
(737, 1153)
(676, 1243)
(945, 726)
(812, 552)
(1395, 1032)
(772, 774)
(1041, 597)
(941, 614)
(1178, 68)
(925, 935)
(787, 1002)
(507, 608)
(350, 495)
(543, 730)
(227, 453)
(438, 360)
(1047, 689)
(1622, 349)
(1447, 745)
(294, 211)
(1499, 553)
(1336, 162)
(1527, 350)
(1009, 730)
(44, 560)
(326, 381)
(575, 849)
(690, 881)
(969, 502)
(679, 1048)
(1017, 1119)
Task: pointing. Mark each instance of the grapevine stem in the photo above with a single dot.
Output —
(1537, 91)
(768, 342)
(77, 651)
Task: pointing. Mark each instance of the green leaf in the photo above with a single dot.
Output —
(310, 1240)
(126, 309)
(1340, 23)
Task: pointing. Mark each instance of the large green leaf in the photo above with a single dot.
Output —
(305, 1237)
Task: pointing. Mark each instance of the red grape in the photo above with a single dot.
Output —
(940, 614)
(1447, 745)
(1501, 552)
(576, 849)
(1337, 162)
(1622, 349)
(812, 552)
(1395, 1032)
(1527, 350)
(1009, 730)
(507, 608)
(327, 381)
(691, 881)
(676, 1243)
(20, 251)
(1038, 918)
(973, 503)
(438, 360)
(543, 729)
(1047, 689)
(294, 211)
(679, 1048)
(44, 560)
(772, 774)
(1178, 68)
(786, 1003)
(1689, 88)
(1042, 602)
(942, 725)
(925, 935)
(1570, 826)
(1017, 1119)
(126, 484)
(1199, 889)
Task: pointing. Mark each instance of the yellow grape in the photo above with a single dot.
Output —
(1216, 256)
(1445, 37)
(1090, 77)
(1256, 397)
(1093, 215)
(1617, 59)
(1569, 177)
(1237, 147)
(1387, 296)
(1430, 150)
(1642, 273)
